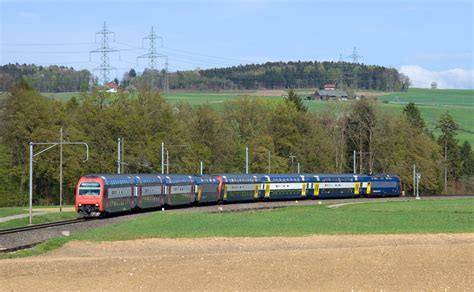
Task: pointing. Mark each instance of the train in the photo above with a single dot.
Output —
(99, 195)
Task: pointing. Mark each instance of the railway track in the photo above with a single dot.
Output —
(41, 226)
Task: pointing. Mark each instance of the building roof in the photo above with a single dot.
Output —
(111, 84)
(337, 92)
(330, 85)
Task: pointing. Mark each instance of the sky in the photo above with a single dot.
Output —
(426, 40)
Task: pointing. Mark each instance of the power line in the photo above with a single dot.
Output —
(355, 56)
(209, 56)
(104, 50)
(152, 55)
(43, 44)
(46, 52)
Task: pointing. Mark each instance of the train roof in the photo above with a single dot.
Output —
(243, 178)
(155, 178)
(114, 179)
(178, 178)
(147, 178)
(206, 179)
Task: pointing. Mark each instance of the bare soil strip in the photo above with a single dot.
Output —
(359, 262)
(53, 210)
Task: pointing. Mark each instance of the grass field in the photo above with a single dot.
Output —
(4, 212)
(38, 219)
(425, 216)
(438, 97)
(9, 211)
(432, 103)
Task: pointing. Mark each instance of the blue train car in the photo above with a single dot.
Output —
(238, 187)
(207, 189)
(284, 186)
(179, 189)
(386, 185)
(150, 191)
(339, 185)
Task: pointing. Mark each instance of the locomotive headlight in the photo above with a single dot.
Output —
(80, 205)
(97, 205)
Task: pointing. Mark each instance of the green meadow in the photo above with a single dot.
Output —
(379, 217)
(425, 216)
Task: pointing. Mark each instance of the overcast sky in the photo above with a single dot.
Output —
(427, 40)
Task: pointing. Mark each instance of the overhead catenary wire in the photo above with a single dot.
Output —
(44, 44)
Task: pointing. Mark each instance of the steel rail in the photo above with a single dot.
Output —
(41, 226)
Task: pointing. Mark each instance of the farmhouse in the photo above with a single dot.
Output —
(330, 86)
(331, 94)
(112, 86)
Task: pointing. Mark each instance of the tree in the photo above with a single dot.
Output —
(467, 158)
(447, 140)
(296, 100)
(360, 128)
(405, 82)
(44, 79)
(434, 85)
(399, 145)
(413, 116)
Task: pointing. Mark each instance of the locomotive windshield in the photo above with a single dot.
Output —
(89, 189)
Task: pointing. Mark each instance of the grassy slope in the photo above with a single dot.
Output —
(425, 216)
(45, 218)
(4, 212)
(433, 103)
(438, 97)
(9, 211)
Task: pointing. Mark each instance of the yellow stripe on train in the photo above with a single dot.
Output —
(303, 190)
(267, 190)
(316, 189)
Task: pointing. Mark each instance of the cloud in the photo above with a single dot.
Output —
(454, 78)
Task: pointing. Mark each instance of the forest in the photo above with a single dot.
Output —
(272, 130)
(311, 75)
(277, 75)
(45, 78)
(271, 75)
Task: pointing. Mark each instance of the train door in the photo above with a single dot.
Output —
(303, 187)
(134, 197)
(316, 187)
(219, 189)
(267, 187)
(255, 193)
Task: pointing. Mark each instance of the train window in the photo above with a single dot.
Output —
(89, 189)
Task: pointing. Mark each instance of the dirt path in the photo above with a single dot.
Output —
(362, 262)
(51, 210)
